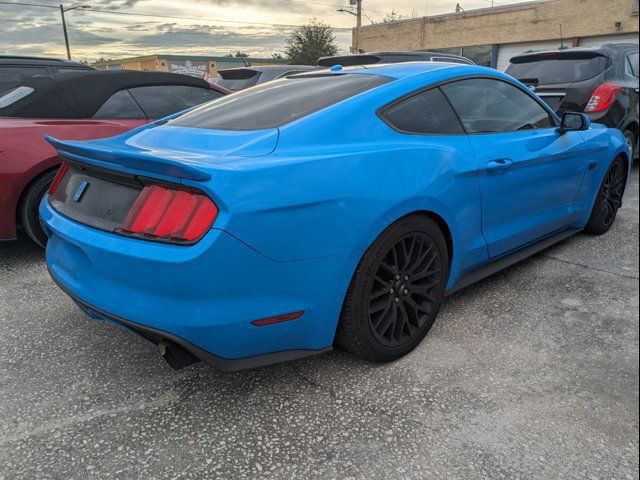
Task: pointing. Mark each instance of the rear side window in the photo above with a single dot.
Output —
(121, 106)
(12, 96)
(12, 76)
(162, 100)
(426, 112)
(276, 103)
(547, 69)
(485, 105)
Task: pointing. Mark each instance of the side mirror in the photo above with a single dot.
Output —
(573, 121)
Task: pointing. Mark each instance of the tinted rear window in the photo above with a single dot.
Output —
(238, 79)
(277, 103)
(550, 69)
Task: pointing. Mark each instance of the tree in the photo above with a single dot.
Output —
(277, 56)
(394, 16)
(240, 54)
(310, 42)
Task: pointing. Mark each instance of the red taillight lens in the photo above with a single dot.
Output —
(58, 178)
(170, 214)
(603, 97)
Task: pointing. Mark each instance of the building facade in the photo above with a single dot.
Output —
(491, 36)
(196, 66)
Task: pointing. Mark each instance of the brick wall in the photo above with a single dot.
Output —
(526, 22)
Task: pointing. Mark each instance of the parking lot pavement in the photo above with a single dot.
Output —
(532, 373)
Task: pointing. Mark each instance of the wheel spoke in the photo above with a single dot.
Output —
(401, 295)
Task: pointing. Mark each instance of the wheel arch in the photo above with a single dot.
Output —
(41, 173)
(397, 214)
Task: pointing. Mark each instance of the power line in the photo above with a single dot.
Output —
(170, 17)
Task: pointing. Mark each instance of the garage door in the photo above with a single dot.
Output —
(598, 41)
(506, 51)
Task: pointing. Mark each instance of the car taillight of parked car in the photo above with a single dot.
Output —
(58, 178)
(168, 214)
(603, 97)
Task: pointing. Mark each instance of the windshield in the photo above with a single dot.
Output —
(279, 102)
(546, 69)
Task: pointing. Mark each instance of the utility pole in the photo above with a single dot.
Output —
(64, 25)
(66, 35)
(359, 13)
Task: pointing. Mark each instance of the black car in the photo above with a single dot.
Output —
(602, 82)
(391, 57)
(15, 69)
(235, 79)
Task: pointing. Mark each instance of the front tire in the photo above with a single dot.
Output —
(609, 199)
(28, 208)
(396, 291)
(630, 137)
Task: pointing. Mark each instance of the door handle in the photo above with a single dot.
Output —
(500, 164)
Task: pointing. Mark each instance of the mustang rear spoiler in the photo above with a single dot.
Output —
(133, 161)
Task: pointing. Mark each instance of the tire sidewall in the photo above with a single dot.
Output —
(29, 208)
(362, 286)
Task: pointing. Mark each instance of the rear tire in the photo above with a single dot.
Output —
(396, 291)
(608, 200)
(28, 208)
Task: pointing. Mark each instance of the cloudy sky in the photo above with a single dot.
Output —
(121, 28)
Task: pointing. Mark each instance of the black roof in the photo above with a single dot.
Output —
(80, 94)
(25, 60)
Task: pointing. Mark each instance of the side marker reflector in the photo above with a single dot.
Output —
(278, 319)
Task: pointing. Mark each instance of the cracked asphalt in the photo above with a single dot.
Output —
(532, 373)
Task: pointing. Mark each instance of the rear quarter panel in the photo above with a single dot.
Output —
(336, 181)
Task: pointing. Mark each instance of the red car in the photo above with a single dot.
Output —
(76, 106)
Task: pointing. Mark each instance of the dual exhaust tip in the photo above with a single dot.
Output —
(176, 356)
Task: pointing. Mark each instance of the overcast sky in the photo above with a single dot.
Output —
(214, 27)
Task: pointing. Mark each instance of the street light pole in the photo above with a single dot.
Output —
(66, 35)
(64, 25)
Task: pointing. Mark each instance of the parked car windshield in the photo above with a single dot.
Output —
(546, 69)
(273, 104)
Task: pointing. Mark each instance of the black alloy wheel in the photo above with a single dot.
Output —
(402, 295)
(611, 193)
(609, 199)
(396, 291)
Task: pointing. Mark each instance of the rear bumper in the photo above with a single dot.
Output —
(202, 297)
(223, 364)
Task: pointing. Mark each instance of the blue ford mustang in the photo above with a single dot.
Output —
(334, 207)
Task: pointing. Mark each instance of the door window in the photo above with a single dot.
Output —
(12, 76)
(486, 105)
(426, 112)
(119, 106)
(162, 100)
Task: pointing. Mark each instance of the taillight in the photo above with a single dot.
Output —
(58, 178)
(170, 214)
(603, 97)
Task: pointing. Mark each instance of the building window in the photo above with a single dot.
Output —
(634, 7)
